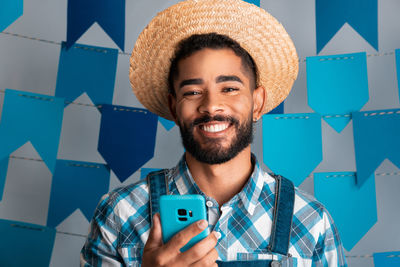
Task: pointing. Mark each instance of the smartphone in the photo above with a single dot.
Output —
(179, 211)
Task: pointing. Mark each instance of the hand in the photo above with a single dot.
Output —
(203, 253)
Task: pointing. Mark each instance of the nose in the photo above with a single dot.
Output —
(211, 103)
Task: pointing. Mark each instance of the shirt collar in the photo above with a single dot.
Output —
(249, 195)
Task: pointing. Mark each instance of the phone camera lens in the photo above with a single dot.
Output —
(182, 212)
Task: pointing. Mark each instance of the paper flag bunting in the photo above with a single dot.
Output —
(168, 125)
(398, 69)
(23, 243)
(76, 185)
(31, 117)
(279, 109)
(127, 138)
(337, 85)
(330, 16)
(376, 138)
(110, 15)
(3, 175)
(10, 11)
(292, 144)
(89, 69)
(387, 259)
(353, 208)
(254, 2)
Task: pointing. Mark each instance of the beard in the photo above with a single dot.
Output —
(215, 153)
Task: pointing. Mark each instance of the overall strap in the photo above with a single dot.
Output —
(158, 186)
(283, 216)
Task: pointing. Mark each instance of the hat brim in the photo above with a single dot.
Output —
(259, 33)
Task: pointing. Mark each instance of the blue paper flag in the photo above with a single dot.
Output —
(292, 144)
(387, 259)
(376, 138)
(353, 208)
(279, 109)
(398, 69)
(336, 86)
(110, 15)
(361, 15)
(254, 2)
(25, 244)
(145, 171)
(168, 125)
(89, 69)
(3, 175)
(76, 185)
(127, 138)
(10, 11)
(31, 117)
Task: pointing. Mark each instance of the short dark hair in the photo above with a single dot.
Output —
(197, 42)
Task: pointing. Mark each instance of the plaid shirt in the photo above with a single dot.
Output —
(121, 224)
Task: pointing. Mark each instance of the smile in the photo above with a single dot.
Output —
(214, 128)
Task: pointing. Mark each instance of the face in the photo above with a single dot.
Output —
(214, 105)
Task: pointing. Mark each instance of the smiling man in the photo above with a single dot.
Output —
(214, 67)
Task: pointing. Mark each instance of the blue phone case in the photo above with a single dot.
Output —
(179, 211)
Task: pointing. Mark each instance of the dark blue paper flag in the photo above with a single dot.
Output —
(10, 11)
(330, 16)
(89, 69)
(168, 125)
(25, 244)
(254, 2)
(387, 259)
(292, 144)
(398, 68)
(31, 117)
(76, 185)
(376, 138)
(109, 14)
(145, 171)
(278, 109)
(3, 175)
(336, 86)
(353, 209)
(127, 138)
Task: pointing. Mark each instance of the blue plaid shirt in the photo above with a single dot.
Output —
(121, 224)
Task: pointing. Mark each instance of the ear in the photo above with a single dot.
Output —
(172, 106)
(259, 100)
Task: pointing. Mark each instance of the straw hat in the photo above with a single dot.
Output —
(260, 34)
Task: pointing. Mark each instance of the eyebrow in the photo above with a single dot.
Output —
(226, 78)
(190, 81)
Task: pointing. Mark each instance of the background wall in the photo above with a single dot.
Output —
(31, 65)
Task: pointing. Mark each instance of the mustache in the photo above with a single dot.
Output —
(208, 118)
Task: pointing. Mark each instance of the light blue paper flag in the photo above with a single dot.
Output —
(89, 69)
(254, 2)
(398, 69)
(361, 15)
(336, 86)
(10, 11)
(76, 185)
(168, 125)
(292, 144)
(145, 171)
(31, 117)
(25, 244)
(353, 208)
(3, 175)
(387, 259)
(376, 138)
(110, 15)
(127, 138)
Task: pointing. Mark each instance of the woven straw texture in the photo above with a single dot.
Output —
(263, 37)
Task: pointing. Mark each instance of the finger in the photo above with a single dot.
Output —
(208, 260)
(155, 235)
(181, 238)
(201, 249)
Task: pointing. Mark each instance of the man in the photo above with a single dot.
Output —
(214, 67)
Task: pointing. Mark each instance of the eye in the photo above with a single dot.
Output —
(190, 93)
(230, 89)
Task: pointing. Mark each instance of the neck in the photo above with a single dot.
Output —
(221, 181)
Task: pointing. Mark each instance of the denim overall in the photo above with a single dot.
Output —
(281, 226)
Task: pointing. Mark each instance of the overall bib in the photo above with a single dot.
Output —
(281, 226)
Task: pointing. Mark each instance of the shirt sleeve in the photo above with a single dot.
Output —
(329, 248)
(100, 248)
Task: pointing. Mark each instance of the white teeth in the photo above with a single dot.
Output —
(215, 128)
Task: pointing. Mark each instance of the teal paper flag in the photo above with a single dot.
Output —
(31, 117)
(168, 125)
(292, 144)
(353, 208)
(387, 259)
(3, 175)
(10, 11)
(336, 86)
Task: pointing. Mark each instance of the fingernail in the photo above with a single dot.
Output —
(217, 234)
(202, 224)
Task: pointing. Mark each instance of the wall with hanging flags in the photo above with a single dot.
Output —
(71, 128)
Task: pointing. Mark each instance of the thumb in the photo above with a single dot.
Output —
(155, 237)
